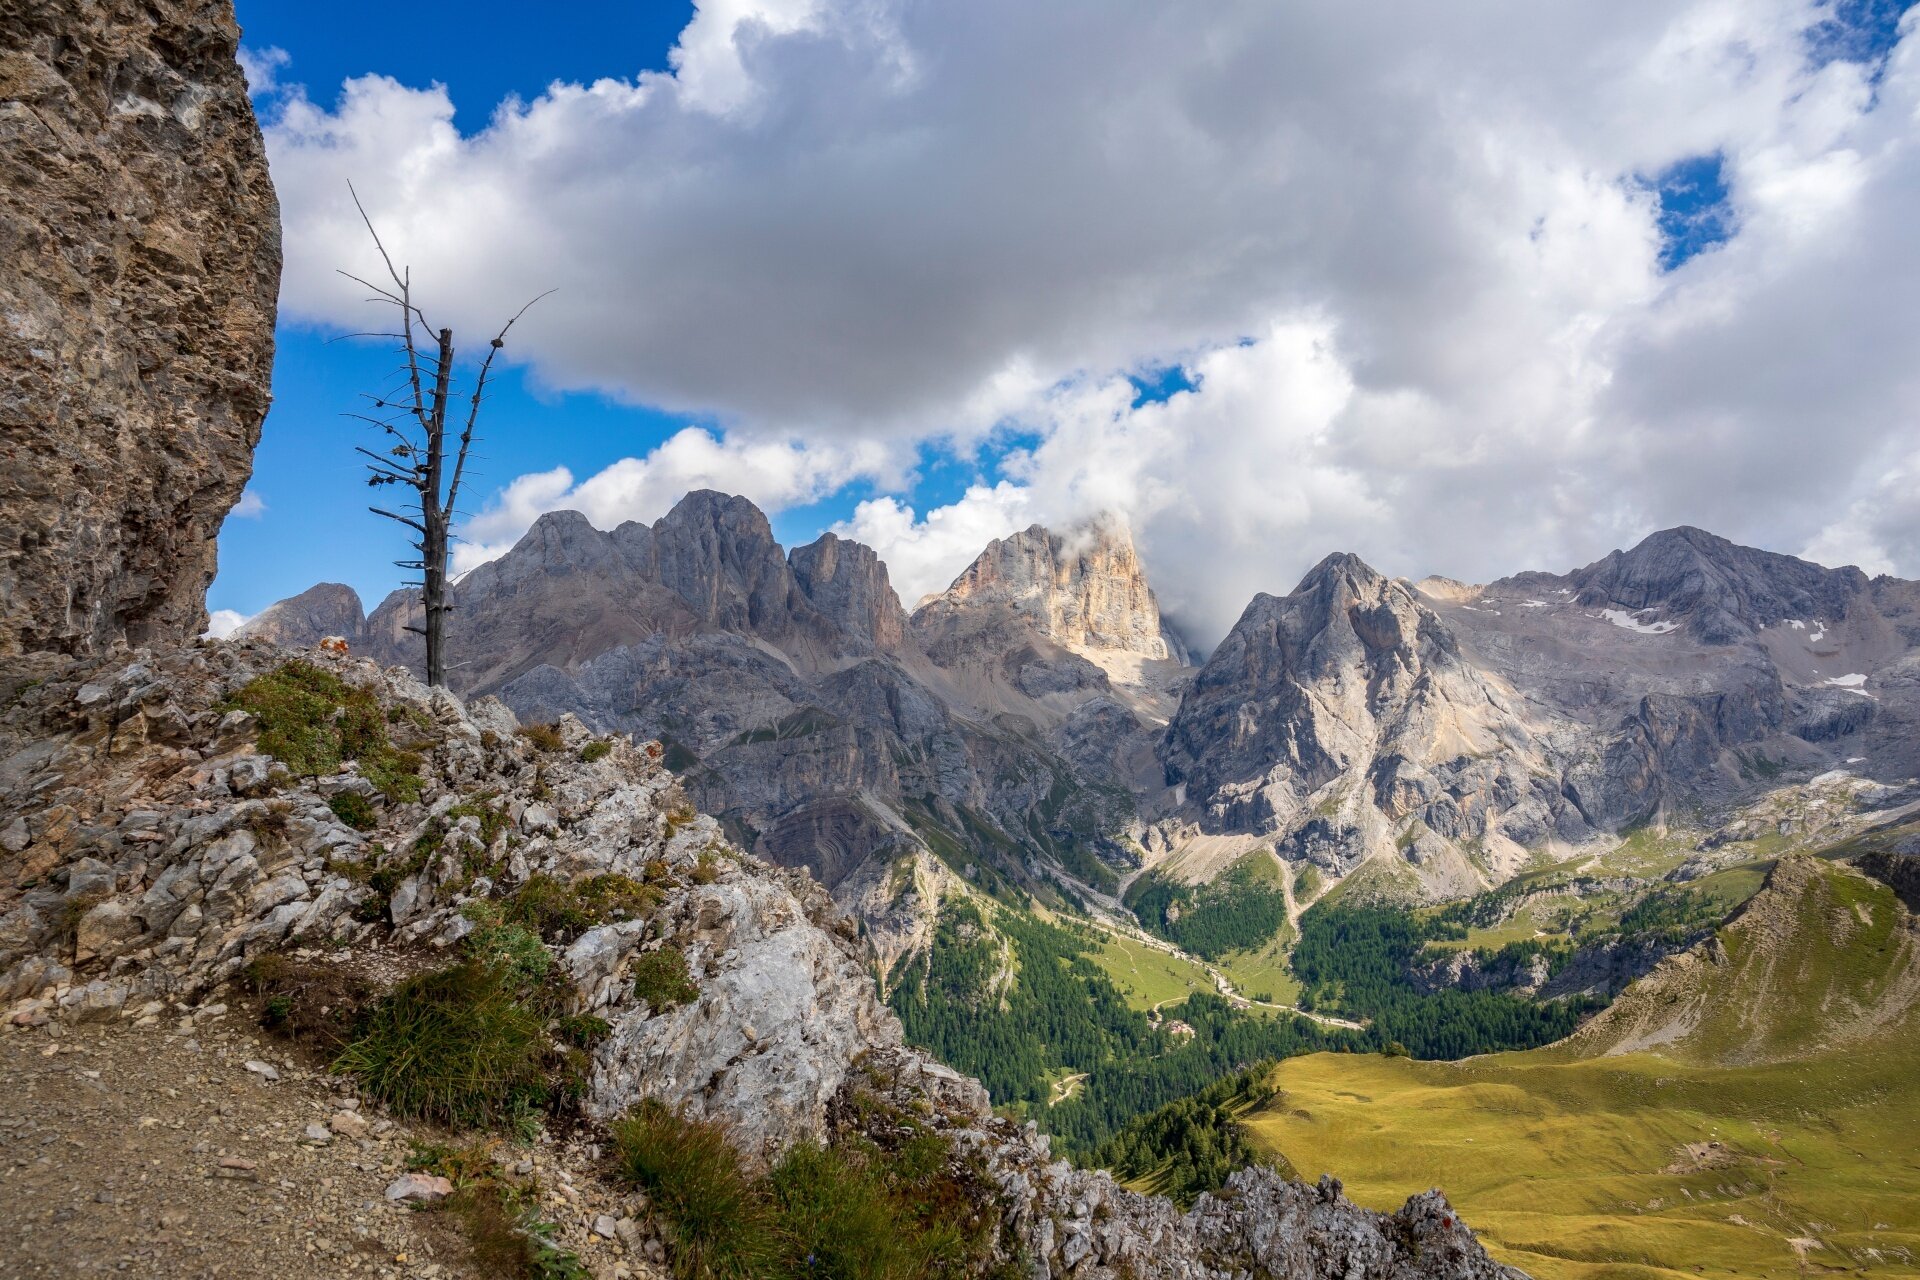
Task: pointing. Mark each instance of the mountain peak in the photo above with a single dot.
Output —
(1724, 591)
(1085, 589)
(847, 581)
(324, 609)
(1338, 569)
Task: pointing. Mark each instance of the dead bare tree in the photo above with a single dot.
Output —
(414, 417)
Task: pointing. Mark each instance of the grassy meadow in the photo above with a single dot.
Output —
(1773, 1130)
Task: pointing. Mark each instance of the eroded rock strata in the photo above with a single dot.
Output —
(141, 240)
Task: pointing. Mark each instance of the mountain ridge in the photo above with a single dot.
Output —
(1446, 734)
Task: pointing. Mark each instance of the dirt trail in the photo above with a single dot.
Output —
(156, 1152)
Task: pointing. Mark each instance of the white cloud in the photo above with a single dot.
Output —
(222, 623)
(866, 225)
(924, 555)
(262, 68)
(772, 473)
(251, 505)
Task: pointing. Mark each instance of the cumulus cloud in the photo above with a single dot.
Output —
(222, 623)
(772, 474)
(251, 505)
(262, 68)
(1411, 255)
(924, 555)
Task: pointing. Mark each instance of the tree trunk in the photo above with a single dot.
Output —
(434, 544)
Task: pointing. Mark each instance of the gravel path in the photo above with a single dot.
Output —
(158, 1152)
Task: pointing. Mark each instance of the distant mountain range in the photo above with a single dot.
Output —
(1038, 731)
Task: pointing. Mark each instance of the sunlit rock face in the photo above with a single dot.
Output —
(1085, 589)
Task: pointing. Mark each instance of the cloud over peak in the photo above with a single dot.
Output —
(1423, 264)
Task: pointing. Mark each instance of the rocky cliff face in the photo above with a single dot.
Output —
(1719, 591)
(160, 850)
(1084, 590)
(1451, 731)
(1344, 721)
(142, 243)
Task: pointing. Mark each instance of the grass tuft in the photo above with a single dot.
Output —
(544, 737)
(662, 979)
(312, 721)
(353, 809)
(718, 1223)
(561, 912)
(458, 1046)
(851, 1209)
(498, 1215)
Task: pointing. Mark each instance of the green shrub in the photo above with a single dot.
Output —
(850, 1210)
(599, 750)
(457, 1046)
(609, 897)
(313, 722)
(353, 809)
(838, 1219)
(662, 979)
(716, 1218)
(561, 912)
(582, 1030)
(514, 949)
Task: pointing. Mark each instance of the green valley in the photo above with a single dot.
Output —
(1750, 1108)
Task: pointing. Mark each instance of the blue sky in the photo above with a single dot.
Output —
(311, 523)
(314, 526)
(1461, 292)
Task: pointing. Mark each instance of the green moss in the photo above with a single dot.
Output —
(313, 722)
(599, 749)
(353, 809)
(662, 979)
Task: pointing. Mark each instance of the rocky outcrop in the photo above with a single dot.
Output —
(1074, 1222)
(1345, 721)
(154, 851)
(1084, 590)
(1601, 969)
(158, 851)
(302, 621)
(142, 248)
